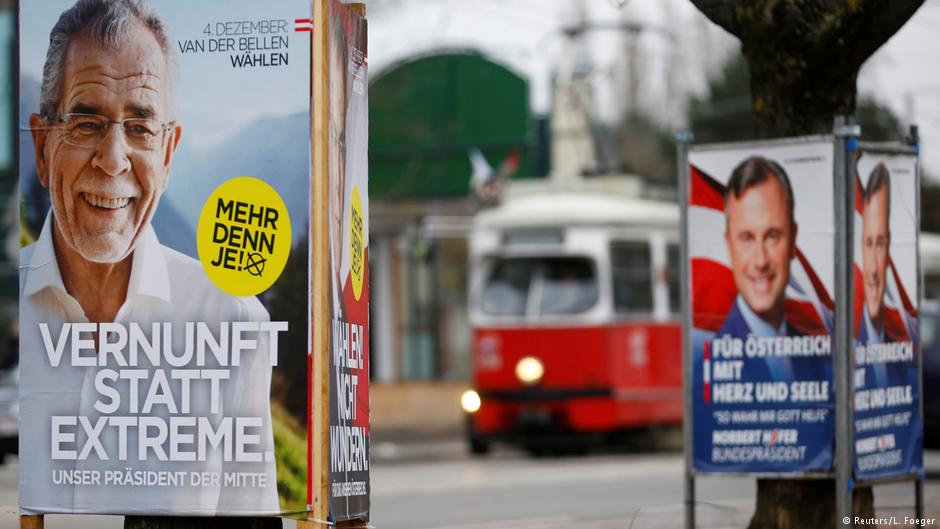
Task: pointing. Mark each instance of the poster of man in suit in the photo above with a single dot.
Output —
(888, 429)
(760, 229)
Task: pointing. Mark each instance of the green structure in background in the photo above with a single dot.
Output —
(9, 225)
(425, 114)
(8, 126)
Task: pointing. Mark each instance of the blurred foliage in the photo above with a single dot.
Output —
(646, 149)
(34, 204)
(929, 200)
(26, 234)
(9, 335)
(725, 113)
(878, 122)
(803, 56)
(287, 301)
(290, 451)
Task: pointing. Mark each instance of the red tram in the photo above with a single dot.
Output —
(575, 308)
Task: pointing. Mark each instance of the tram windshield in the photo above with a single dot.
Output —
(547, 286)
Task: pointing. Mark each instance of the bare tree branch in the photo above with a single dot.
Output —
(869, 26)
(804, 55)
(721, 12)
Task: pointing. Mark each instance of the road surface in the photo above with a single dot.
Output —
(437, 486)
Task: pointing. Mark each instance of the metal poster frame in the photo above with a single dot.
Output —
(845, 141)
(684, 147)
(683, 140)
(911, 148)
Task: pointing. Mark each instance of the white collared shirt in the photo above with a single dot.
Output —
(874, 336)
(164, 286)
(758, 326)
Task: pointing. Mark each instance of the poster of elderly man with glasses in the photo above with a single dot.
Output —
(147, 381)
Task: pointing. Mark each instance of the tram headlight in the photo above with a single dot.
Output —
(529, 370)
(470, 401)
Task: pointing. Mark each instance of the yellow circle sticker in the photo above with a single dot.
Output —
(357, 244)
(244, 236)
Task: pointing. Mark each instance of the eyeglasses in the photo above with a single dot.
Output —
(87, 130)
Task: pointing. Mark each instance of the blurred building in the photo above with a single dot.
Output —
(438, 123)
(427, 116)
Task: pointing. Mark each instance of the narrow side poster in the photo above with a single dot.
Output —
(888, 432)
(164, 171)
(761, 234)
(349, 264)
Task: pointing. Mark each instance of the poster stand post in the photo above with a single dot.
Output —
(683, 139)
(319, 426)
(846, 133)
(913, 140)
(319, 513)
(31, 521)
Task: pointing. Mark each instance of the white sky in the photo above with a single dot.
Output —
(525, 35)
(904, 76)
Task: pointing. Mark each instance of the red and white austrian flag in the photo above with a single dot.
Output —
(303, 24)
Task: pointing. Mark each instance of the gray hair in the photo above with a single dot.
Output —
(107, 21)
(879, 179)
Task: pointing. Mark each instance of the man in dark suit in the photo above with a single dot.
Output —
(760, 234)
(879, 324)
(876, 239)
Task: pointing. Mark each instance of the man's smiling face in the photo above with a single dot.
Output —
(875, 241)
(761, 240)
(103, 196)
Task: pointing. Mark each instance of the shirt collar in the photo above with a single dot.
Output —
(758, 326)
(42, 270)
(149, 275)
(874, 336)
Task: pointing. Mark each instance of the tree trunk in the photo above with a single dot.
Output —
(804, 56)
(791, 98)
(802, 503)
(200, 522)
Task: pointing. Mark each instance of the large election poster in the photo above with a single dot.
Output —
(888, 432)
(760, 245)
(349, 268)
(165, 160)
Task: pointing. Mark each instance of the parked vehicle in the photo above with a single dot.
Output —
(929, 321)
